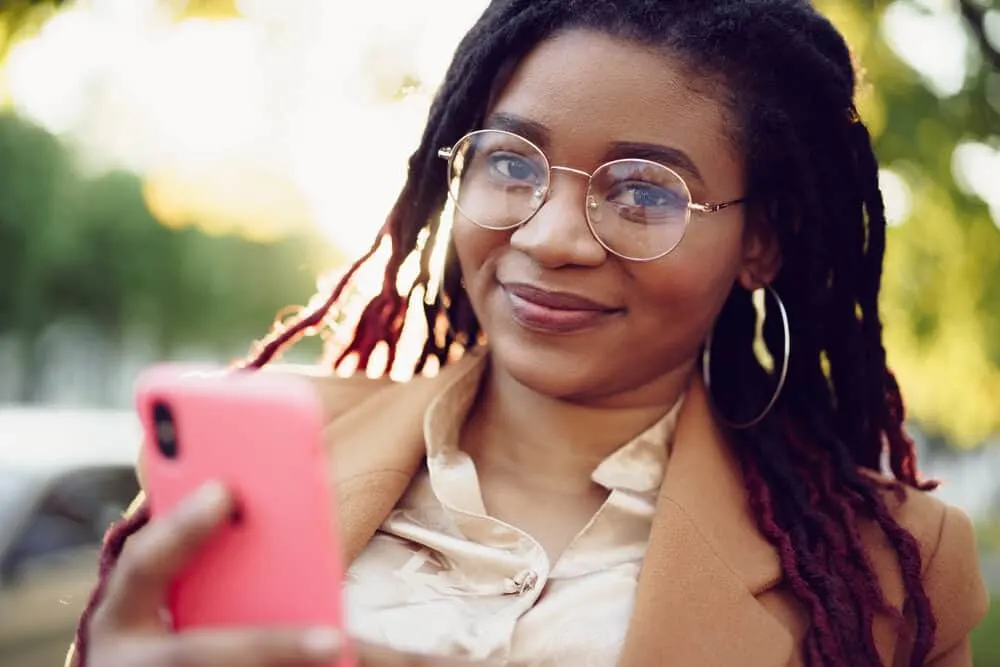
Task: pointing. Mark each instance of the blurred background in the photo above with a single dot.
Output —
(173, 173)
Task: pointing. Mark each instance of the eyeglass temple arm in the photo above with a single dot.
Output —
(444, 153)
(714, 208)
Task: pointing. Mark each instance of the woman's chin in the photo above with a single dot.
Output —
(554, 370)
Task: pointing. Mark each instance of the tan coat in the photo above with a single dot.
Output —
(711, 590)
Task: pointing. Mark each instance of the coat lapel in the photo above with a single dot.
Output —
(705, 562)
(376, 448)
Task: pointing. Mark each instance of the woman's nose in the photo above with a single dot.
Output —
(558, 234)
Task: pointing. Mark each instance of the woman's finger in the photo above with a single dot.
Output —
(138, 585)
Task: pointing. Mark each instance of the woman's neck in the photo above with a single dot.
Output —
(545, 442)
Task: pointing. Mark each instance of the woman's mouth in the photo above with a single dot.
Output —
(555, 312)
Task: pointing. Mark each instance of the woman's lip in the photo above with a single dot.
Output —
(545, 319)
(554, 299)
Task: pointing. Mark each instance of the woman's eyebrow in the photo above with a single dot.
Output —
(531, 130)
(539, 134)
(665, 155)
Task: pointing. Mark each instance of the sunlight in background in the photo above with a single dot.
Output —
(897, 195)
(932, 40)
(976, 167)
(285, 117)
(279, 118)
(991, 26)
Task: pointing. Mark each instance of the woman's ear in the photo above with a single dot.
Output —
(761, 251)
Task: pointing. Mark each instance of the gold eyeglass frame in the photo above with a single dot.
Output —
(542, 194)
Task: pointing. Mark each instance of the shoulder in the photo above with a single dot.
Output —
(343, 394)
(337, 394)
(949, 561)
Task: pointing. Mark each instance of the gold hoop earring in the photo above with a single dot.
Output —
(706, 366)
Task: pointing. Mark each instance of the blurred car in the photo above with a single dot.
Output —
(65, 475)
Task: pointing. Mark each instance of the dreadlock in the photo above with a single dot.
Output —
(790, 83)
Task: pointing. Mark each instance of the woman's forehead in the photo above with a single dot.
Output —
(587, 89)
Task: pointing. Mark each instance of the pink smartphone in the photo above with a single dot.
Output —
(279, 561)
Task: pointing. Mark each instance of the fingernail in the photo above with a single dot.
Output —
(210, 496)
(321, 643)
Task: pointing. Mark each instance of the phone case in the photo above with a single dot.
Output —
(279, 562)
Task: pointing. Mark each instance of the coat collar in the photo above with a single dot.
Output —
(706, 560)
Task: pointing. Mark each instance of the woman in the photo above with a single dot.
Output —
(635, 182)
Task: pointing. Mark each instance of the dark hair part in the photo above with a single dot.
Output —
(812, 172)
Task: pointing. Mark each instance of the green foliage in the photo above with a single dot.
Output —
(941, 296)
(21, 18)
(89, 248)
(986, 638)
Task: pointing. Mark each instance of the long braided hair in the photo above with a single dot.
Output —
(789, 81)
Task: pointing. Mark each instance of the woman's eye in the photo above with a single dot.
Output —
(648, 196)
(514, 167)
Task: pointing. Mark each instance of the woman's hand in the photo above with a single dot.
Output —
(128, 628)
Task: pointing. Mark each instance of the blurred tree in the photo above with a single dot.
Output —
(19, 18)
(977, 14)
(72, 247)
(941, 294)
(941, 315)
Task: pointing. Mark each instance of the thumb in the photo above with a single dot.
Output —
(137, 588)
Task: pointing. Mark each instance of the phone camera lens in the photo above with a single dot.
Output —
(165, 430)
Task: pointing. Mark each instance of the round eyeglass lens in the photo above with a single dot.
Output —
(496, 179)
(638, 209)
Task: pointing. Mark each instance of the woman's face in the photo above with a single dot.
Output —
(583, 95)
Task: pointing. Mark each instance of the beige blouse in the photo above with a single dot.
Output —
(443, 577)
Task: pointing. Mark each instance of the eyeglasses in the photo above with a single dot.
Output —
(637, 209)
